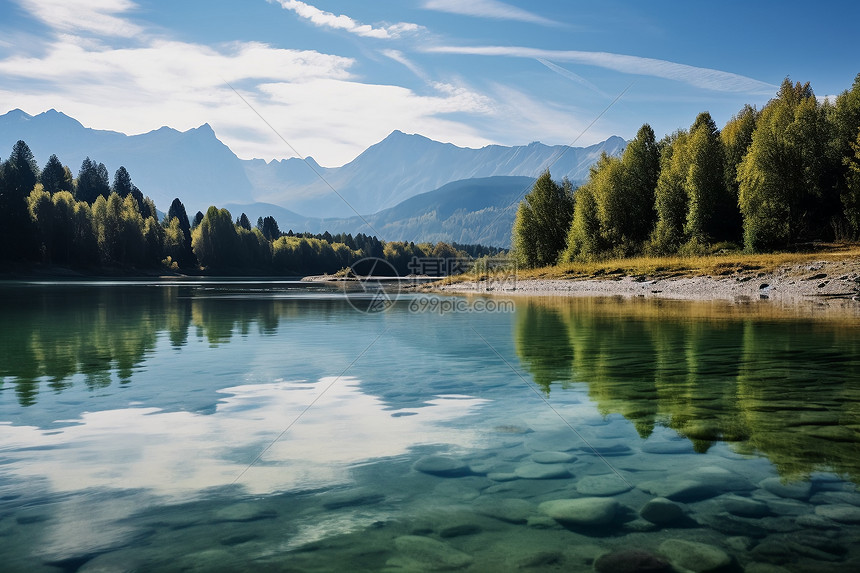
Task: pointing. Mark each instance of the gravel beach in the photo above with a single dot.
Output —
(831, 283)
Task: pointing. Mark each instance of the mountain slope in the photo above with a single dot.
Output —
(401, 166)
(480, 210)
(199, 169)
(192, 165)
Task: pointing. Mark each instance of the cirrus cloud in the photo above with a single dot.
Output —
(341, 22)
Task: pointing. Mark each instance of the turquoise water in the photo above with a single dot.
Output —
(244, 426)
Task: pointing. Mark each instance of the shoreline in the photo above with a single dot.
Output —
(820, 282)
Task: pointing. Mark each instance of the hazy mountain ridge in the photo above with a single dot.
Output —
(479, 210)
(402, 166)
(408, 187)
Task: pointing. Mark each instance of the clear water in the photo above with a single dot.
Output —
(245, 426)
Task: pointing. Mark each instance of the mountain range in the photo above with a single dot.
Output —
(406, 187)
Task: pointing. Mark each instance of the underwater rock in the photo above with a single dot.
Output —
(631, 561)
(798, 490)
(426, 552)
(843, 513)
(744, 506)
(542, 471)
(582, 511)
(698, 557)
(511, 510)
(442, 466)
(661, 511)
(553, 458)
(602, 485)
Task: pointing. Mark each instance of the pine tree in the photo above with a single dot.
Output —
(56, 177)
(122, 185)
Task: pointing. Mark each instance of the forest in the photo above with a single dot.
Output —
(780, 178)
(49, 217)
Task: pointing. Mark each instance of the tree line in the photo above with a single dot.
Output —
(48, 216)
(770, 179)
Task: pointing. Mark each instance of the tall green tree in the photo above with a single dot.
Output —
(783, 176)
(737, 138)
(707, 196)
(641, 161)
(122, 184)
(215, 241)
(671, 200)
(269, 227)
(844, 118)
(542, 222)
(92, 181)
(182, 252)
(608, 181)
(851, 190)
(42, 214)
(56, 177)
(584, 240)
(19, 176)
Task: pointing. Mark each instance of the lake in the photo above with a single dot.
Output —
(278, 426)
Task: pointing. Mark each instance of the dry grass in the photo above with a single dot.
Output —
(681, 266)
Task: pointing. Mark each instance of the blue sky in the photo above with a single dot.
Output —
(333, 77)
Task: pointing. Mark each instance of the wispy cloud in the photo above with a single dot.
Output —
(705, 78)
(102, 17)
(572, 76)
(488, 9)
(341, 22)
(401, 58)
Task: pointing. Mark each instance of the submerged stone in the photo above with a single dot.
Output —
(602, 485)
(631, 561)
(797, 490)
(429, 553)
(442, 466)
(553, 457)
(661, 511)
(744, 506)
(511, 510)
(843, 513)
(698, 557)
(542, 471)
(582, 511)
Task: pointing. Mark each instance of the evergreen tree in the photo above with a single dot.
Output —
(269, 227)
(198, 218)
(542, 222)
(92, 181)
(122, 185)
(184, 256)
(243, 222)
(19, 176)
(56, 177)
